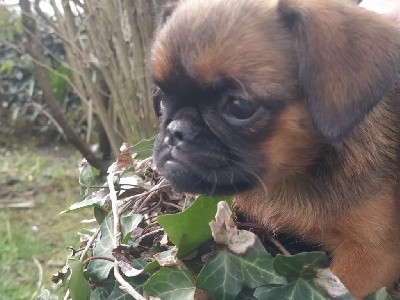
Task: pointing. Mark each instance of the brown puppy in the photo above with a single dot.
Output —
(293, 105)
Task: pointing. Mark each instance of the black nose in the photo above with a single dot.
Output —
(179, 131)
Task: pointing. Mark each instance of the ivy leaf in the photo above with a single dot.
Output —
(118, 294)
(136, 282)
(96, 199)
(103, 289)
(79, 287)
(100, 214)
(226, 274)
(300, 270)
(381, 294)
(87, 176)
(297, 290)
(144, 148)
(170, 284)
(151, 267)
(189, 229)
(99, 269)
(99, 293)
(246, 294)
(302, 265)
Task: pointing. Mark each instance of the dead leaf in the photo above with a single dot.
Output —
(60, 275)
(224, 231)
(124, 256)
(167, 258)
(330, 283)
(124, 160)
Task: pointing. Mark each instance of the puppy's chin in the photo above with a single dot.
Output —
(194, 172)
(182, 179)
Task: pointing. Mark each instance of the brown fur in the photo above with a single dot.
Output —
(333, 154)
(349, 206)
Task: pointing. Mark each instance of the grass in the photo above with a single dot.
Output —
(48, 178)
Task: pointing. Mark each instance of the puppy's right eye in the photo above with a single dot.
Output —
(240, 108)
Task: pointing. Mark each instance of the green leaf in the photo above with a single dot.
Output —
(103, 289)
(58, 83)
(302, 265)
(189, 229)
(151, 267)
(44, 295)
(96, 199)
(170, 284)
(300, 270)
(128, 170)
(297, 290)
(79, 287)
(246, 294)
(226, 274)
(7, 66)
(99, 269)
(118, 294)
(100, 214)
(144, 148)
(381, 294)
(99, 293)
(87, 177)
(136, 282)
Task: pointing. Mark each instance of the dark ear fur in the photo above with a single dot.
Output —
(166, 11)
(349, 58)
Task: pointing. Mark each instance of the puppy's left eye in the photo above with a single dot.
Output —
(240, 108)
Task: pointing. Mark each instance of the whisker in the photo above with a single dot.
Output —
(251, 172)
(214, 183)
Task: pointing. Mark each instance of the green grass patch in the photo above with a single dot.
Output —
(48, 180)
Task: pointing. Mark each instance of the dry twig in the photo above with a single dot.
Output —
(279, 246)
(116, 239)
(40, 279)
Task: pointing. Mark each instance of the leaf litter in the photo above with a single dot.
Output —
(171, 245)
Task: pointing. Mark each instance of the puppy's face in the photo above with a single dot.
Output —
(245, 91)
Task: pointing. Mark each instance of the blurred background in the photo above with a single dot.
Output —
(73, 84)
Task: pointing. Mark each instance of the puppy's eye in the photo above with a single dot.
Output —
(240, 108)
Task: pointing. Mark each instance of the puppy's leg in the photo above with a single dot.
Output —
(365, 247)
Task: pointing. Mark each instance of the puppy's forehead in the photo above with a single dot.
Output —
(204, 41)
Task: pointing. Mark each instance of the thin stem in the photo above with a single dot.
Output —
(97, 257)
(116, 239)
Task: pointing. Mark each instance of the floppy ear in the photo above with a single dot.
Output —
(349, 58)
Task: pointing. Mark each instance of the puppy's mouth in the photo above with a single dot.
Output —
(199, 170)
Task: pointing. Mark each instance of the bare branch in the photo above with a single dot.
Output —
(48, 115)
(39, 63)
(44, 16)
(32, 47)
